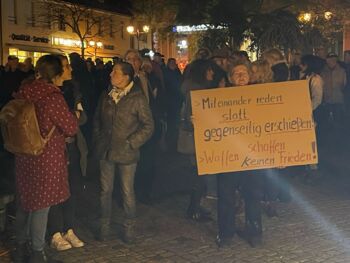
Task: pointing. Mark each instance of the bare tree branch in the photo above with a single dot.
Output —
(82, 20)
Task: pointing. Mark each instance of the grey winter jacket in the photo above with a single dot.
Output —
(119, 130)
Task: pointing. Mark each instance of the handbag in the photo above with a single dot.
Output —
(185, 141)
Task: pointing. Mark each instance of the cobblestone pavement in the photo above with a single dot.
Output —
(314, 227)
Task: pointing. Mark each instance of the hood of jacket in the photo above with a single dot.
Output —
(36, 90)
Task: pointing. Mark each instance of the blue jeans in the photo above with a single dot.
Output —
(32, 224)
(127, 175)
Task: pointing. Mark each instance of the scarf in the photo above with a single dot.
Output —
(117, 94)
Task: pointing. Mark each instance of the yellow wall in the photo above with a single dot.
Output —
(120, 41)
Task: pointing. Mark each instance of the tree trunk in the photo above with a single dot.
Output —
(82, 49)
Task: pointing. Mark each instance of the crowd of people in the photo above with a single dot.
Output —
(120, 112)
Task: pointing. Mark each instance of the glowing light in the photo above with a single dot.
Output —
(145, 28)
(150, 53)
(99, 44)
(182, 44)
(328, 15)
(130, 29)
(305, 17)
(92, 43)
(194, 28)
(66, 42)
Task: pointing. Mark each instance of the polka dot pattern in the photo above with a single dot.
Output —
(42, 181)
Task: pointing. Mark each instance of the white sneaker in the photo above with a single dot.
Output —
(73, 239)
(59, 243)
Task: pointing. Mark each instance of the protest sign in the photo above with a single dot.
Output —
(253, 127)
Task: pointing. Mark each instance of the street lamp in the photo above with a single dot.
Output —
(132, 31)
(328, 15)
(306, 17)
(95, 45)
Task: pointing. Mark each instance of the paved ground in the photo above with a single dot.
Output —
(314, 227)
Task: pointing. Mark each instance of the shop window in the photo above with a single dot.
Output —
(105, 60)
(13, 52)
(22, 55)
(37, 55)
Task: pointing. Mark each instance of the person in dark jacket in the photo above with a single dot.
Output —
(250, 184)
(173, 79)
(199, 76)
(122, 124)
(12, 77)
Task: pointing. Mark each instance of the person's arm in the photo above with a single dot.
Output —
(316, 92)
(146, 126)
(61, 116)
(96, 125)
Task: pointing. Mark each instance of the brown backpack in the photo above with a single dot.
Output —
(20, 128)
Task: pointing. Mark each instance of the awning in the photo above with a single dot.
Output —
(43, 49)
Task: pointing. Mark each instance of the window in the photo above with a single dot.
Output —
(61, 23)
(88, 26)
(47, 18)
(111, 32)
(37, 55)
(122, 29)
(99, 27)
(22, 55)
(12, 18)
(31, 13)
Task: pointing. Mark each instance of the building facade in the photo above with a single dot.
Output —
(32, 28)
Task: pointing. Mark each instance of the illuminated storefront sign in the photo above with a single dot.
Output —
(58, 41)
(203, 27)
(23, 37)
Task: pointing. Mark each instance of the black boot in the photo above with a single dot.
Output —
(270, 209)
(41, 257)
(21, 253)
(252, 233)
(103, 232)
(129, 233)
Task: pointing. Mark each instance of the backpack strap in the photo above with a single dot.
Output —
(48, 137)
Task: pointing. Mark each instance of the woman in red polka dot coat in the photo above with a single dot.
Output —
(42, 181)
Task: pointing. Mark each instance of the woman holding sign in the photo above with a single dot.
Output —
(250, 183)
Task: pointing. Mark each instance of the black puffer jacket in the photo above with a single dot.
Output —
(120, 129)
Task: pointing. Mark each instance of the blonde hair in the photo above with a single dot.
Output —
(273, 56)
(232, 67)
(261, 72)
